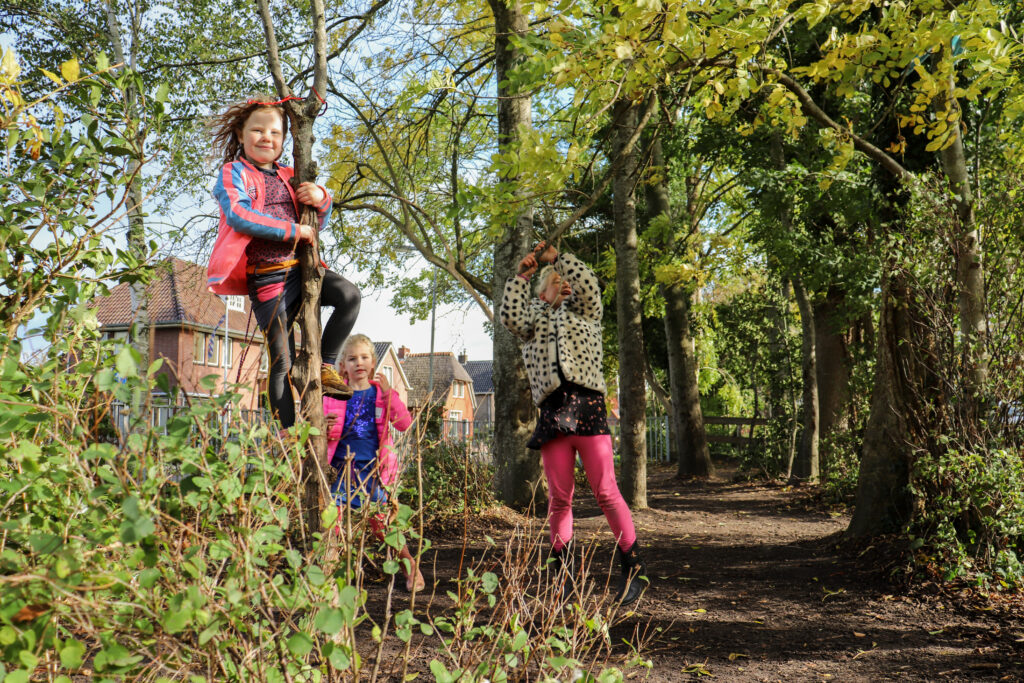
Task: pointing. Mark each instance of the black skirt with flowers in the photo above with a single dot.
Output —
(571, 409)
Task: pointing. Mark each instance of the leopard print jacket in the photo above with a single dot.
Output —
(568, 336)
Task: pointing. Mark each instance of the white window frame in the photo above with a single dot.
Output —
(199, 348)
(228, 353)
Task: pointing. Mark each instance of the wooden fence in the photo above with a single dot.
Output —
(742, 433)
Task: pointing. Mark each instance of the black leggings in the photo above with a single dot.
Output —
(276, 316)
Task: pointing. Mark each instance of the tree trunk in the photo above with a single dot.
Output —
(784, 383)
(833, 356)
(970, 274)
(517, 468)
(628, 309)
(305, 374)
(899, 402)
(686, 419)
(806, 467)
(140, 333)
(687, 416)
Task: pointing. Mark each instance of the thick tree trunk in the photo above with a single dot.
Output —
(807, 465)
(687, 416)
(628, 309)
(899, 400)
(833, 356)
(518, 469)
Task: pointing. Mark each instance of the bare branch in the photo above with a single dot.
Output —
(273, 58)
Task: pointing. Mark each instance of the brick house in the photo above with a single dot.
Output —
(196, 332)
(188, 332)
(453, 388)
(389, 364)
(482, 373)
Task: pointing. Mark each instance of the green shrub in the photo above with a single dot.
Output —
(971, 517)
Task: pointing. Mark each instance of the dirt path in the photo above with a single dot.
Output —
(750, 587)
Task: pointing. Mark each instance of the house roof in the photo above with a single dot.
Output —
(482, 372)
(381, 350)
(177, 295)
(447, 369)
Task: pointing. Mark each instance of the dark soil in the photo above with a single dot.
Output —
(751, 583)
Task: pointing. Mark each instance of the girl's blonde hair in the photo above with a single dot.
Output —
(226, 125)
(354, 340)
(542, 279)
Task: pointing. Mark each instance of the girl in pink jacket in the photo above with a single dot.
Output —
(255, 249)
(359, 441)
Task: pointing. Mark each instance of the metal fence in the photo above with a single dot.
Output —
(161, 412)
(657, 438)
(477, 436)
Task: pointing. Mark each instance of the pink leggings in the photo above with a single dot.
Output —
(559, 456)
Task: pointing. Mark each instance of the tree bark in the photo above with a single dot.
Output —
(305, 373)
(140, 333)
(517, 469)
(970, 274)
(687, 416)
(833, 356)
(628, 308)
(899, 402)
(807, 466)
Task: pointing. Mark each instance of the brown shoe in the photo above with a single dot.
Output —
(334, 386)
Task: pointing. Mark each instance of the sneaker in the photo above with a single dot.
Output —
(334, 386)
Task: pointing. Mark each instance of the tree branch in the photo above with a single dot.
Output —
(273, 57)
(649, 109)
(818, 114)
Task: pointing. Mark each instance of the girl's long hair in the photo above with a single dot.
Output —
(226, 125)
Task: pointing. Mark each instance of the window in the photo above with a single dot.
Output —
(264, 359)
(458, 390)
(229, 353)
(388, 372)
(199, 348)
(212, 349)
(454, 415)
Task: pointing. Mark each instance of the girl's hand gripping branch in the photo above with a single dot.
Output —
(310, 194)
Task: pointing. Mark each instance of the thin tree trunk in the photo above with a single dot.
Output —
(806, 468)
(970, 274)
(686, 419)
(517, 469)
(632, 386)
(140, 333)
(687, 416)
(833, 356)
(305, 374)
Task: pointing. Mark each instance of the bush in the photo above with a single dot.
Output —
(971, 519)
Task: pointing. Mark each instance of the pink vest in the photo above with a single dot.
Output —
(240, 192)
(388, 410)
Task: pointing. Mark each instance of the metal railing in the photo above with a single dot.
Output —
(160, 413)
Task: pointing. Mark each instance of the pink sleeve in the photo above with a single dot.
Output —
(399, 414)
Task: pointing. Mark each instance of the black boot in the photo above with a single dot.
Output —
(633, 581)
(561, 567)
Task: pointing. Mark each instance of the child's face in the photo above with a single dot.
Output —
(262, 137)
(358, 362)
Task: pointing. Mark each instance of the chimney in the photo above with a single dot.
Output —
(403, 351)
(463, 357)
